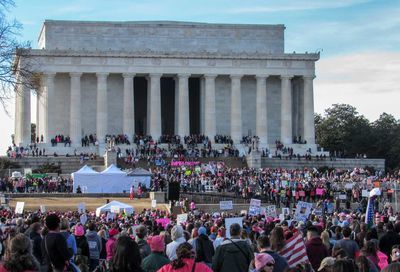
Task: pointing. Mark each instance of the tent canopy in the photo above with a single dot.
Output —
(107, 207)
(112, 169)
(86, 170)
(139, 172)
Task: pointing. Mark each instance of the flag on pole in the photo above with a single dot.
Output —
(295, 251)
(369, 215)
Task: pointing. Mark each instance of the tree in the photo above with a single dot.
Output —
(13, 72)
(343, 129)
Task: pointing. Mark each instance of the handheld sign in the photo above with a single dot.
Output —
(231, 221)
(181, 218)
(270, 211)
(115, 209)
(81, 207)
(154, 203)
(42, 208)
(226, 205)
(19, 208)
(303, 210)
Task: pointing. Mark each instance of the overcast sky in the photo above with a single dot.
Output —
(359, 40)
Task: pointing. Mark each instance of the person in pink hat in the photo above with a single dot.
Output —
(110, 245)
(157, 258)
(263, 262)
(81, 244)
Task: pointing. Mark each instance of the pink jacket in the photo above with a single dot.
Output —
(110, 247)
(383, 260)
(200, 267)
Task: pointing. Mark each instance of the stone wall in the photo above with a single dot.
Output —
(378, 164)
(162, 37)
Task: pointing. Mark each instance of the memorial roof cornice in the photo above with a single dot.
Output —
(175, 55)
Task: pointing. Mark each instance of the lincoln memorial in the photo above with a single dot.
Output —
(176, 78)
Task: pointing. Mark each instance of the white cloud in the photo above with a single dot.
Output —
(369, 81)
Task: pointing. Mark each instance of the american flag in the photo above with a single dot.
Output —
(295, 250)
(369, 215)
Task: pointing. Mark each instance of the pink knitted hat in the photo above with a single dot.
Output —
(262, 259)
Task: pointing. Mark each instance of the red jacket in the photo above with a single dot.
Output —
(316, 252)
(200, 267)
(110, 245)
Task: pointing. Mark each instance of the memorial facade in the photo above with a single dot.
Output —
(172, 78)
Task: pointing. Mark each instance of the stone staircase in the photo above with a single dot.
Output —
(68, 165)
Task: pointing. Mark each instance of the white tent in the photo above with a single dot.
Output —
(122, 207)
(111, 180)
(141, 176)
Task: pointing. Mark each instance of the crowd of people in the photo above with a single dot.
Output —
(45, 184)
(153, 240)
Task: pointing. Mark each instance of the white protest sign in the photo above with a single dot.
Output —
(83, 219)
(270, 211)
(19, 207)
(281, 217)
(154, 203)
(303, 210)
(255, 202)
(128, 212)
(254, 210)
(364, 193)
(81, 207)
(115, 209)
(42, 208)
(226, 205)
(231, 221)
(285, 211)
(110, 216)
(342, 196)
(348, 186)
(181, 218)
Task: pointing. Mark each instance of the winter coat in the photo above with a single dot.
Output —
(154, 262)
(110, 246)
(188, 267)
(316, 252)
(94, 242)
(233, 255)
(204, 249)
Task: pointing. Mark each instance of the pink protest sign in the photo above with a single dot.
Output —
(163, 221)
(320, 191)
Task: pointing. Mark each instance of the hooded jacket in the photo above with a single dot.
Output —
(95, 245)
(204, 249)
(233, 255)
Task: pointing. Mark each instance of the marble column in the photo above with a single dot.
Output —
(23, 115)
(75, 125)
(176, 108)
(38, 122)
(129, 106)
(209, 118)
(49, 106)
(309, 128)
(202, 104)
(286, 110)
(155, 106)
(261, 109)
(17, 121)
(102, 113)
(236, 108)
(183, 112)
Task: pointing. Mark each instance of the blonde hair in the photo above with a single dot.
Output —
(102, 233)
(325, 239)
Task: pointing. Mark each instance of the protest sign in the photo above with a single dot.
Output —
(320, 192)
(19, 207)
(83, 219)
(255, 202)
(128, 212)
(285, 211)
(348, 186)
(342, 196)
(270, 211)
(81, 207)
(330, 208)
(254, 210)
(318, 211)
(226, 205)
(181, 218)
(231, 221)
(115, 209)
(154, 203)
(303, 210)
(364, 193)
(42, 208)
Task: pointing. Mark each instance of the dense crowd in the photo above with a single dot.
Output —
(152, 240)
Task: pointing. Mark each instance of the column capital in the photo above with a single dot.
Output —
(262, 76)
(102, 75)
(309, 77)
(210, 76)
(286, 77)
(75, 74)
(129, 75)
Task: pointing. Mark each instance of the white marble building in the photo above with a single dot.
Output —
(168, 78)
